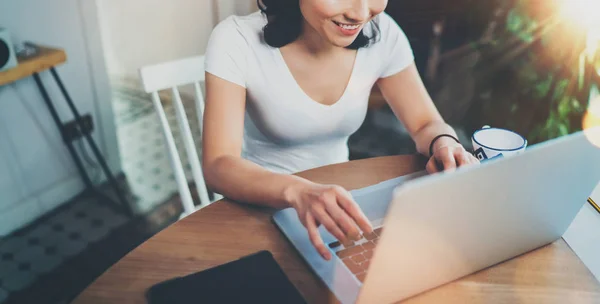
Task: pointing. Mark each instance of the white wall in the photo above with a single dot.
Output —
(225, 8)
(36, 173)
(143, 32)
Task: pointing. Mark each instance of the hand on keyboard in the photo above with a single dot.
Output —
(333, 207)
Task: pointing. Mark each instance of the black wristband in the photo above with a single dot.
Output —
(438, 137)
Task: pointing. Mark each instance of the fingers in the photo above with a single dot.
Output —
(447, 158)
(315, 237)
(473, 159)
(335, 209)
(432, 165)
(462, 157)
(344, 221)
(345, 200)
(451, 159)
(323, 217)
(465, 158)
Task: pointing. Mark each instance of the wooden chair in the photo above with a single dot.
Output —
(171, 75)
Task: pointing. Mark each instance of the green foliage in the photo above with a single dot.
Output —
(544, 88)
(521, 25)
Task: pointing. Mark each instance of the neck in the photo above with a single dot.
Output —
(315, 43)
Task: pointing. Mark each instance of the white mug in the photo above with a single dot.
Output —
(490, 143)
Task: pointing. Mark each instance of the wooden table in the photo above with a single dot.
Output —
(226, 231)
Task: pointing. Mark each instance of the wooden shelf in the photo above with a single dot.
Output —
(44, 60)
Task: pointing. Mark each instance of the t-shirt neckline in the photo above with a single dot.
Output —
(284, 67)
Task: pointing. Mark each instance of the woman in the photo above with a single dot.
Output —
(287, 86)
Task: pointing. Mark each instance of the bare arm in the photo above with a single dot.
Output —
(412, 104)
(225, 171)
(241, 180)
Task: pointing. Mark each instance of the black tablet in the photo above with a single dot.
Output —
(252, 279)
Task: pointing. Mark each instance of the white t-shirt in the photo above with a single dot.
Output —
(285, 131)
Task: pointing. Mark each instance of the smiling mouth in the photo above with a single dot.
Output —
(347, 26)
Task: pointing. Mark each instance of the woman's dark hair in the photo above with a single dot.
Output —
(285, 24)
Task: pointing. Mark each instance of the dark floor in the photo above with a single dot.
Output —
(84, 252)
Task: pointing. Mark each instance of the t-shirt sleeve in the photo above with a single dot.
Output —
(397, 52)
(226, 53)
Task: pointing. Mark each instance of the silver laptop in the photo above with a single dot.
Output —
(438, 228)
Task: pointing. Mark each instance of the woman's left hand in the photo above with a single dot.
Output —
(448, 156)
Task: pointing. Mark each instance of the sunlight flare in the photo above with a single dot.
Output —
(585, 16)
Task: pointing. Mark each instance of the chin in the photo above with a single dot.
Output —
(342, 41)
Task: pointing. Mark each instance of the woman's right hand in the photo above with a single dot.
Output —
(333, 207)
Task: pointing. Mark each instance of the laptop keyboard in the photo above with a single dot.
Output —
(356, 255)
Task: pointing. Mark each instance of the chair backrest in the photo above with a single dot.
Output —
(171, 75)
